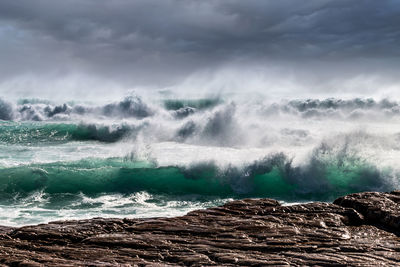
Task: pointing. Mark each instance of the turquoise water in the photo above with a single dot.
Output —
(129, 159)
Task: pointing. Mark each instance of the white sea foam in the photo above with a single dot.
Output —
(308, 140)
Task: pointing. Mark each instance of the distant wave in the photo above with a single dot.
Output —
(135, 107)
(205, 121)
(6, 110)
(41, 110)
(204, 103)
(336, 108)
(36, 133)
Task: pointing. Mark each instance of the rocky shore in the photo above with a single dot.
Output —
(358, 230)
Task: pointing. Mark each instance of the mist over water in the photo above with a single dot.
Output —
(144, 156)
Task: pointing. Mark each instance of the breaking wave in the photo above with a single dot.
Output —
(100, 159)
(322, 177)
(135, 107)
(47, 133)
(42, 110)
(203, 121)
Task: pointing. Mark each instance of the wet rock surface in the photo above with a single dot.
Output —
(357, 230)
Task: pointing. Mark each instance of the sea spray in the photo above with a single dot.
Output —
(142, 158)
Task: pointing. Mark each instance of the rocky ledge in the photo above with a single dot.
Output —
(359, 230)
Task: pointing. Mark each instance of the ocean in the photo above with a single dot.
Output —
(166, 156)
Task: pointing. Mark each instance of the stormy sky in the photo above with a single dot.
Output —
(278, 47)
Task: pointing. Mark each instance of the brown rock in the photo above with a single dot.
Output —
(359, 230)
(382, 209)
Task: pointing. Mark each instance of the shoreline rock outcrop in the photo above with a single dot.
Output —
(360, 229)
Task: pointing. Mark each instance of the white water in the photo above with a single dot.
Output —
(310, 133)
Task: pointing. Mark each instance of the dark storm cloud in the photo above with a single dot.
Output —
(159, 42)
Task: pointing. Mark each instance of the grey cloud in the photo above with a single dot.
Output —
(160, 42)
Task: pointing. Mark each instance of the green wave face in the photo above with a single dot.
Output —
(95, 176)
(271, 177)
(31, 133)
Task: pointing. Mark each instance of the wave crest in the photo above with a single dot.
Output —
(326, 176)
